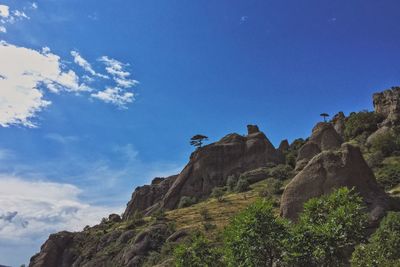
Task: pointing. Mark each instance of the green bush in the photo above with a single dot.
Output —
(205, 214)
(361, 122)
(197, 252)
(386, 143)
(186, 201)
(383, 249)
(232, 182)
(272, 188)
(255, 237)
(218, 193)
(374, 159)
(281, 172)
(242, 185)
(388, 176)
(327, 229)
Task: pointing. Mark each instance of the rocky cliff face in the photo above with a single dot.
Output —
(209, 167)
(330, 170)
(147, 198)
(387, 103)
(324, 137)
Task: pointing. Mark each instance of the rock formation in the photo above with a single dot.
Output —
(284, 146)
(330, 170)
(146, 197)
(387, 103)
(323, 137)
(211, 165)
(338, 122)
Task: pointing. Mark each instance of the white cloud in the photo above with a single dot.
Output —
(23, 85)
(4, 11)
(3, 29)
(31, 210)
(115, 96)
(79, 60)
(34, 5)
(117, 70)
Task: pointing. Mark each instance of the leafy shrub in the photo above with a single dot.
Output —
(281, 172)
(386, 143)
(198, 252)
(205, 214)
(242, 185)
(159, 215)
(231, 182)
(273, 187)
(255, 237)
(388, 175)
(209, 226)
(383, 249)
(327, 228)
(186, 201)
(361, 122)
(374, 159)
(218, 193)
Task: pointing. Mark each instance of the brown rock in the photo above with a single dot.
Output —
(53, 252)
(211, 165)
(284, 146)
(387, 103)
(144, 197)
(252, 129)
(330, 170)
(338, 122)
(323, 137)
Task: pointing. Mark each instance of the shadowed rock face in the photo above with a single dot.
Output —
(211, 165)
(324, 137)
(338, 122)
(53, 252)
(387, 103)
(284, 146)
(145, 197)
(330, 170)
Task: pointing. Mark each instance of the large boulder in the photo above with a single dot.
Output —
(145, 197)
(284, 146)
(339, 123)
(387, 103)
(324, 137)
(54, 252)
(328, 171)
(211, 165)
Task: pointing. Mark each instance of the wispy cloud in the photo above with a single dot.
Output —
(78, 59)
(243, 19)
(62, 139)
(9, 16)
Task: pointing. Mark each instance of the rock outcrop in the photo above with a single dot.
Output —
(338, 122)
(330, 170)
(146, 198)
(387, 103)
(211, 165)
(284, 146)
(324, 137)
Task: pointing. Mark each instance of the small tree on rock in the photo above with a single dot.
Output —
(197, 140)
(324, 115)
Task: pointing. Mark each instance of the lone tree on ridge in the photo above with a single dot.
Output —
(197, 140)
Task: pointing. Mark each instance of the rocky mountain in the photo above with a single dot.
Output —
(345, 152)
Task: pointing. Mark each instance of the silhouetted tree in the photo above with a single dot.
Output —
(324, 115)
(197, 140)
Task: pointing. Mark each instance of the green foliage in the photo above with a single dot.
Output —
(374, 159)
(198, 252)
(327, 228)
(272, 188)
(186, 201)
(242, 185)
(361, 122)
(231, 182)
(281, 172)
(159, 215)
(388, 176)
(386, 143)
(218, 193)
(383, 249)
(205, 214)
(291, 155)
(255, 237)
(209, 226)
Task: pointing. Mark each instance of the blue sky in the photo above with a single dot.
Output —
(209, 67)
